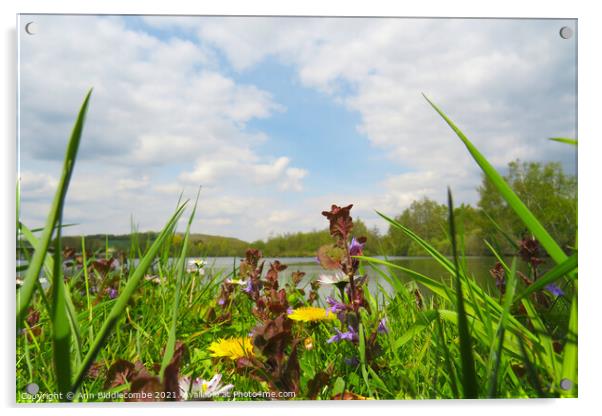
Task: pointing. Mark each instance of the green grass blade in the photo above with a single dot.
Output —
(61, 331)
(123, 299)
(530, 369)
(25, 293)
(508, 194)
(545, 340)
(433, 285)
(441, 259)
(569, 359)
(564, 140)
(469, 376)
(49, 267)
(495, 354)
(171, 341)
(448, 361)
(566, 268)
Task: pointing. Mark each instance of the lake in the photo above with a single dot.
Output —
(477, 266)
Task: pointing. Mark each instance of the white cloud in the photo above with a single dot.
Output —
(165, 118)
(160, 106)
(35, 185)
(239, 169)
(509, 84)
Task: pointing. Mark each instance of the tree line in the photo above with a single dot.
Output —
(547, 191)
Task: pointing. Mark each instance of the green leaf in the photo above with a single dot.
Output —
(25, 293)
(508, 194)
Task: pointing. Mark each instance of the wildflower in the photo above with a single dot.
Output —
(233, 348)
(356, 247)
(249, 287)
(308, 343)
(111, 292)
(554, 290)
(202, 389)
(153, 279)
(196, 265)
(338, 277)
(311, 314)
(350, 335)
(335, 305)
(499, 274)
(382, 326)
(352, 361)
(237, 282)
(529, 251)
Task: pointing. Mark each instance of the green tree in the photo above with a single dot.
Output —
(425, 217)
(545, 189)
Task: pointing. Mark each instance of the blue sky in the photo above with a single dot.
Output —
(277, 118)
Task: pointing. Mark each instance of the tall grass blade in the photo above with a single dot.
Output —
(61, 331)
(495, 354)
(469, 376)
(449, 365)
(171, 341)
(25, 293)
(123, 299)
(530, 221)
(569, 360)
(564, 140)
(530, 369)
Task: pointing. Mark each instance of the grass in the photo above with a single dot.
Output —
(99, 331)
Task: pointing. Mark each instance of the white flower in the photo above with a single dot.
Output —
(203, 389)
(153, 279)
(329, 279)
(196, 265)
(236, 282)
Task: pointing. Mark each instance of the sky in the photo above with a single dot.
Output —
(277, 118)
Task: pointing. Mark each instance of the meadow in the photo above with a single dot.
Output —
(148, 323)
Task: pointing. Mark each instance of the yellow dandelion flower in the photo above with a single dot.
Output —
(233, 348)
(311, 314)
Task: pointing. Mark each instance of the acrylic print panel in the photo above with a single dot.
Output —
(294, 208)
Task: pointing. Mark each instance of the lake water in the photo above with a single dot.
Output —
(477, 266)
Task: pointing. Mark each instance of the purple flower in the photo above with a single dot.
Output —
(554, 290)
(337, 308)
(352, 361)
(112, 293)
(221, 301)
(355, 248)
(289, 310)
(382, 326)
(249, 287)
(350, 335)
(335, 305)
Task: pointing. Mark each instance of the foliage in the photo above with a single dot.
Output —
(545, 189)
